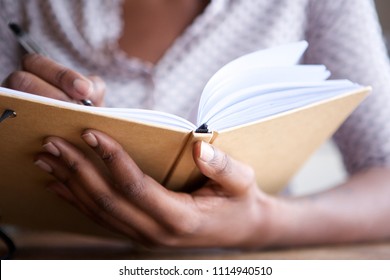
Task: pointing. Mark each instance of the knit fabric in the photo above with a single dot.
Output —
(344, 35)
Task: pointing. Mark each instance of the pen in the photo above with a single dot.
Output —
(30, 46)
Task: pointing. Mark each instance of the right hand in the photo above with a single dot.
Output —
(230, 210)
(42, 76)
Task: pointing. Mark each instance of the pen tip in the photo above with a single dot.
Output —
(15, 28)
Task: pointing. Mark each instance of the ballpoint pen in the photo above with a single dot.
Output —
(30, 46)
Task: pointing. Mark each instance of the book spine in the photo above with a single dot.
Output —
(184, 168)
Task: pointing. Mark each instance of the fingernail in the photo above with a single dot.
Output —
(90, 139)
(206, 152)
(52, 149)
(44, 166)
(83, 87)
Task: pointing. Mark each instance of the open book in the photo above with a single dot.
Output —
(261, 108)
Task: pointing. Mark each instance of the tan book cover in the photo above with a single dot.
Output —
(276, 147)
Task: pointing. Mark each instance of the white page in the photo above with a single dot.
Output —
(232, 89)
(148, 116)
(284, 55)
(290, 96)
(263, 106)
(260, 75)
(271, 91)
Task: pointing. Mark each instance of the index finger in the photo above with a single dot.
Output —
(165, 206)
(71, 82)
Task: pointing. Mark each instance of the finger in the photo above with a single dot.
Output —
(75, 85)
(92, 192)
(53, 164)
(62, 191)
(27, 82)
(233, 176)
(166, 207)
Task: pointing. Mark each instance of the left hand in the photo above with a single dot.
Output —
(228, 211)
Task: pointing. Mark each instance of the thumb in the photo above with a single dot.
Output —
(234, 176)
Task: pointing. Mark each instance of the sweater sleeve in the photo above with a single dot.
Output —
(346, 37)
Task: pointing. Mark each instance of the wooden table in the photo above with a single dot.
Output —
(34, 245)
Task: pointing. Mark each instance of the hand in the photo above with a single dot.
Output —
(228, 211)
(41, 75)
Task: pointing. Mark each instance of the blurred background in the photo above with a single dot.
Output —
(325, 168)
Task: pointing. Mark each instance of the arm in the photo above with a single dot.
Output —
(228, 211)
(357, 210)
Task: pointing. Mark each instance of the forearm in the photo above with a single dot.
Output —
(357, 210)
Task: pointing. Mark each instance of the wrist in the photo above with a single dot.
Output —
(266, 218)
(278, 223)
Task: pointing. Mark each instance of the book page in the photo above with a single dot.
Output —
(271, 103)
(284, 55)
(265, 83)
(151, 117)
(232, 89)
